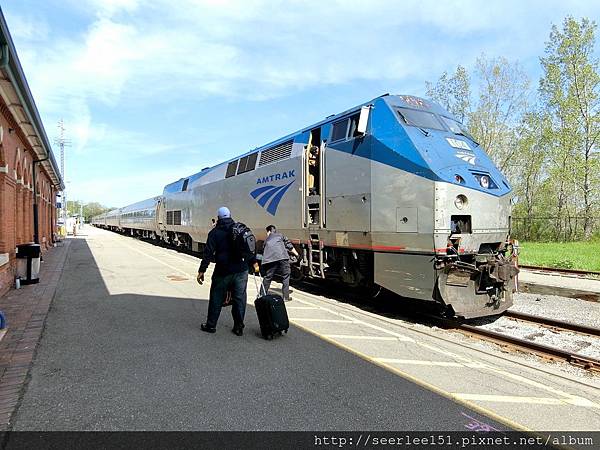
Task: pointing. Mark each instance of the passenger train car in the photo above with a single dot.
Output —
(393, 193)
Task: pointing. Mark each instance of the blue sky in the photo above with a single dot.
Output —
(151, 91)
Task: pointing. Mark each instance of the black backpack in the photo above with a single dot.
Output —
(243, 240)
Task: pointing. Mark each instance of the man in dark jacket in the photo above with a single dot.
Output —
(276, 259)
(230, 274)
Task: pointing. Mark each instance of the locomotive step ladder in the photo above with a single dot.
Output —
(313, 204)
(316, 265)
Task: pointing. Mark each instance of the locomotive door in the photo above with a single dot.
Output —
(160, 215)
(314, 195)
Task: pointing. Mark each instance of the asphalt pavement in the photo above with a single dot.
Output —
(122, 350)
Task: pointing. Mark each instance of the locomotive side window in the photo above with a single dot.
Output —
(346, 128)
(247, 163)
(231, 168)
(339, 130)
(353, 130)
(251, 161)
(242, 165)
(421, 119)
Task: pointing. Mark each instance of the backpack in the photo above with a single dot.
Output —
(243, 240)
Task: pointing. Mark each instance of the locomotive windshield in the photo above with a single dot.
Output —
(456, 127)
(421, 119)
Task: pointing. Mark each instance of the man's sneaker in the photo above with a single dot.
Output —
(289, 299)
(208, 329)
(238, 330)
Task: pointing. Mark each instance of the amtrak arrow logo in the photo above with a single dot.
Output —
(466, 157)
(263, 194)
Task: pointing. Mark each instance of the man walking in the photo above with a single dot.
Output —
(230, 274)
(276, 259)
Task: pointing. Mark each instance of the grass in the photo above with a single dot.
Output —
(563, 255)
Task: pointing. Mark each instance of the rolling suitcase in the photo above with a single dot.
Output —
(271, 312)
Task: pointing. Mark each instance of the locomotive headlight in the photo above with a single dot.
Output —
(484, 180)
(461, 201)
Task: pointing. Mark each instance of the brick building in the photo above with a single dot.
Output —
(29, 175)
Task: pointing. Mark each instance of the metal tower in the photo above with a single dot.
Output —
(63, 142)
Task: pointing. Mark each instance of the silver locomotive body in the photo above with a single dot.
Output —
(392, 193)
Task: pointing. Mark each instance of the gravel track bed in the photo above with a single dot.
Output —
(559, 308)
(555, 307)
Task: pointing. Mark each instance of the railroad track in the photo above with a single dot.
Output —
(553, 323)
(571, 272)
(545, 351)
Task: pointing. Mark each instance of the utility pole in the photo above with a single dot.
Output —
(63, 142)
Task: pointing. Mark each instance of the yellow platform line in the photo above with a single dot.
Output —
(419, 362)
(520, 399)
(362, 337)
(362, 322)
(473, 406)
(569, 398)
(311, 319)
(302, 307)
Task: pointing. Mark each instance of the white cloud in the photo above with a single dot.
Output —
(133, 52)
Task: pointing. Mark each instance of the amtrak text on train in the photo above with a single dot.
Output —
(277, 177)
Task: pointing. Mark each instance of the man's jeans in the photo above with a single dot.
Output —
(236, 283)
(281, 268)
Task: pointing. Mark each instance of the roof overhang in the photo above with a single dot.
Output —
(17, 96)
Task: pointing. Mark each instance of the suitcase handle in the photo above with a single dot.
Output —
(261, 286)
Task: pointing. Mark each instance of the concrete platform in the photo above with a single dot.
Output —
(122, 350)
(538, 282)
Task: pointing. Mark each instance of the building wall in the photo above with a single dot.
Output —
(16, 198)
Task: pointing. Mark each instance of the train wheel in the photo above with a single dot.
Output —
(296, 274)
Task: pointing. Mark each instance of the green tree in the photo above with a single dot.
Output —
(501, 105)
(530, 186)
(93, 209)
(452, 92)
(88, 210)
(570, 89)
(73, 207)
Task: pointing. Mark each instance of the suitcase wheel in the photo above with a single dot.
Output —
(269, 337)
(285, 331)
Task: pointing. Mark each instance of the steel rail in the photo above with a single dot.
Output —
(558, 270)
(553, 323)
(545, 351)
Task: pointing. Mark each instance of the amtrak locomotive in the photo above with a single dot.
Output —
(393, 193)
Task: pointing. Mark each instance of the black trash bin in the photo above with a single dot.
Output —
(28, 263)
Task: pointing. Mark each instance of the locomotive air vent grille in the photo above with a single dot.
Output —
(281, 151)
(174, 217)
(177, 217)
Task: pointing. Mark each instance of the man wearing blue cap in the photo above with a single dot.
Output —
(230, 274)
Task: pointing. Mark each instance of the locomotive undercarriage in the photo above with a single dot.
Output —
(471, 284)
(352, 267)
(464, 286)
